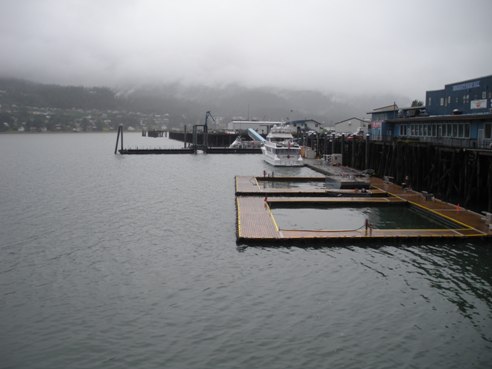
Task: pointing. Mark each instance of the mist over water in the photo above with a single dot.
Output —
(110, 261)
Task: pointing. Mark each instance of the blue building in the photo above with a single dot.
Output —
(379, 129)
(459, 115)
(467, 97)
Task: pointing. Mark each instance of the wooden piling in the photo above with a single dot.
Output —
(120, 132)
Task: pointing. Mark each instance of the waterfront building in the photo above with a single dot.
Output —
(459, 115)
(260, 126)
(467, 97)
(304, 125)
(379, 129)
(264, 126)
(351, 126)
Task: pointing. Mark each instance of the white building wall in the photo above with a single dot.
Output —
(259, 126)
(351, 126)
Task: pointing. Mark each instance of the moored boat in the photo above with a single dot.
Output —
(280, 149)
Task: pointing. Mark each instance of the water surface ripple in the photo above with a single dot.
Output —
(111, 261)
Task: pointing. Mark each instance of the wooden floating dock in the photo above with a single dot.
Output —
(256, 186)
(154, 151)
(189, 150)
(256, 222)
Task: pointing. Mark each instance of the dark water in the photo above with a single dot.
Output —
(131, 262)
(380, 216)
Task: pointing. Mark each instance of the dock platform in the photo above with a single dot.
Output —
(256, 222)
(188, 150)
(256, 186)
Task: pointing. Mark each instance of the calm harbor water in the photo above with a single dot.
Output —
(343, 217)
(111, 261)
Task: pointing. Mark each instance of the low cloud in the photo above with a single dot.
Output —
(349, 47)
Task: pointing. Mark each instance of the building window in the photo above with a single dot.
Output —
(488, 130)
(467, 130)
(442, 101)
(430, 101)
(449, 100)
(461, 130)
(484, 94)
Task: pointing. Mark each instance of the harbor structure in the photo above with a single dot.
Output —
(264, 126)
(465, 97)
(460, 115)
(351, 126)
(256, 221)
(260, 126)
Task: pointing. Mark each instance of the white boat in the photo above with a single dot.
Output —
(280, 150)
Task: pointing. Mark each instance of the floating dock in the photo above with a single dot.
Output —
(256, 222)
(189, 150)
(155, 151)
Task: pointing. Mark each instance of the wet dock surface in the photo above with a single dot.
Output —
(256, 222)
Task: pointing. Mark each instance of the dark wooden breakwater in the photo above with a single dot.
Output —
(214, 139)
(460, 176)
(456, 175)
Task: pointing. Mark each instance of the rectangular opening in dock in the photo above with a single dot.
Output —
(340, 216)
(317, 214)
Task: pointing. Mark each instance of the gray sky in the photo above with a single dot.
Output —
(346, 46)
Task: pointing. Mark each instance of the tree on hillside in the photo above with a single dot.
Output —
(416, 103)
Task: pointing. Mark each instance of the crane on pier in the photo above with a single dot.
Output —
(204, 145)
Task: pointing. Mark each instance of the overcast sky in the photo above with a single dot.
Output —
(347, 46)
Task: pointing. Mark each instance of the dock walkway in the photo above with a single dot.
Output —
(256, 223)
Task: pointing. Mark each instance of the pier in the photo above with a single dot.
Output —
(200, 143)
(256, 222)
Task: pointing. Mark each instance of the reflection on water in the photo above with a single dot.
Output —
(347, 218)
(327, 183)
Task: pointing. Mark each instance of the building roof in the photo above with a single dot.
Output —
(466, 81)
(353, 118)
(384, 109)
(255, 122)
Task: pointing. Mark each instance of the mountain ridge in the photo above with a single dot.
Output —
(187, 104)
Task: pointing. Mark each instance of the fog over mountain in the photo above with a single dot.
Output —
(339, 48)
(187, 104)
